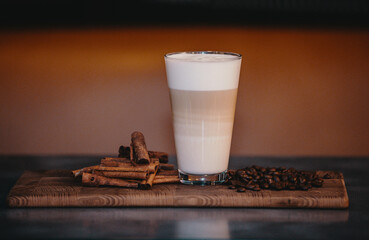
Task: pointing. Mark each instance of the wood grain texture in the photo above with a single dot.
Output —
(57, 188)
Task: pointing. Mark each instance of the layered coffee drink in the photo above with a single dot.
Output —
(203, 89)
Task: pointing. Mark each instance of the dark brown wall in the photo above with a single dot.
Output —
(302, 92)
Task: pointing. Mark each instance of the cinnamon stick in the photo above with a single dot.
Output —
(124, 152)
(116, 159)
(166, 166)
(126, 163)
(141, 154)
(163, 156)
(129, 175)
(168, 172)
(165, 179)
(150, 168)
(79, 172)
(147, 184)
(115, 162)
(90, 179)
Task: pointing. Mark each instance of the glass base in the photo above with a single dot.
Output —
(206, 179)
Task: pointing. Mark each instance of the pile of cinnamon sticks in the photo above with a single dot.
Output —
(135, 167)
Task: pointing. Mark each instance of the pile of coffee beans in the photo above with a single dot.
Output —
(256, 178)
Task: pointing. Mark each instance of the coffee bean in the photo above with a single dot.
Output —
(301, 180)
(267, 176)
(327, 176)
(276, 179)
(257, 189)
(255, 180)
(270, 181)
(232, 187)
(292, 179)
(241, 189)
(231, 172)
(248, 172)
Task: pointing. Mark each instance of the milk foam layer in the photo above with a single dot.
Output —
(202, 72)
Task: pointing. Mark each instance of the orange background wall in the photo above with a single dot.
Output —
(302, 92)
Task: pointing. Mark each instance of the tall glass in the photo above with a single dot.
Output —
(203, 89)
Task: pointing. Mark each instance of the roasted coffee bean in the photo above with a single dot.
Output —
(243, 175)
(276, 179)
(284, 178)
(231, 172)
(267, 176)
(244, 181)
(272, 169)
(248, 177)
(293, 179)
(263, 170)
(232, 187)
(264, 185)
(241, 189)
(301, 180)
(327, 176)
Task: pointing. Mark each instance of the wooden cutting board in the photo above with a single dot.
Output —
(57, 188)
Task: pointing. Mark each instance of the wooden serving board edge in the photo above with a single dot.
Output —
(15, 200)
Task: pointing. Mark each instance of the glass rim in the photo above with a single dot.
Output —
(236, 55)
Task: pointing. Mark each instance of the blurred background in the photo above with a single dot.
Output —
(77, 77)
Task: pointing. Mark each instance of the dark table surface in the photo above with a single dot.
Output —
(189, 223)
